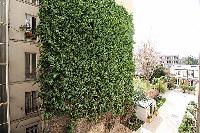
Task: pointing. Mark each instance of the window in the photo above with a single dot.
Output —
(35, 2)
(31, 102)
(2, 52)
(30, 66)
(3, 113)
(4, 128)
(185, 73)
(2, 11)
(192, 73)
(32, 129)
(3, 94)
(30, 27)
(179, 73)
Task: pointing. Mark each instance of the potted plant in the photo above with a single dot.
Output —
(149, 119)
(28, 34)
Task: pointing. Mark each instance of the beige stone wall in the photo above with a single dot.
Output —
(17, 17)
(128, 4)
(17, 59)
(17, 83)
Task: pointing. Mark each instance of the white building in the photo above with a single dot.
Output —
(169, 60)
(185, 72)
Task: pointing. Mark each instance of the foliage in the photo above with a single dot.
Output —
(189, 119)
(146, 60)
(186, 87)
(86, 66)
(190, 60)
(141, 84)
(160, 101)
(149, 117)
(191, 88)
(158, 72)
(160, 85)
(171, 83)
(133, 123)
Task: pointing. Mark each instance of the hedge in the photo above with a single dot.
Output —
(86, 63)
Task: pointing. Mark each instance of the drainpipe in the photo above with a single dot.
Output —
(7, 86)
(198, 109)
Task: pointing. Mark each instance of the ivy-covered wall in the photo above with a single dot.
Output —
(86, 63)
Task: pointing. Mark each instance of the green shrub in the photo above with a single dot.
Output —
(160, 101)
(191, 88)
(142, 84)
(185, 87)
(86, 65)
(189, 119)
(160, 86)
(171, 83)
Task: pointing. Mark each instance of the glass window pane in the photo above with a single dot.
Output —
(2, 53)
(3, 113)
(2, 33)
(2, 74)
(2, 11)
(3, 94)
(4, 128)
(33, 66)
(27, 65)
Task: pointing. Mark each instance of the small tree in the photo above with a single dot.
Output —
(171, 83)
(147, 60)
(160, 86)
(158, 72)
(185, 86)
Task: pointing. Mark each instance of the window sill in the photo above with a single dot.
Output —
(32, 4)
(30, 79)
(32, 113)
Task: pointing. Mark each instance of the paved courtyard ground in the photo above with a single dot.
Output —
(170, 114)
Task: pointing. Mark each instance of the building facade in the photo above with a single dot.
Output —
(169, 60)
(182, 73)
(18, 61)
(23, 56)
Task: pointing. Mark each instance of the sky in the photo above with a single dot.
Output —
(173, 26)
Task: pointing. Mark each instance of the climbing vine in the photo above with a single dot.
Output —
(86, 66)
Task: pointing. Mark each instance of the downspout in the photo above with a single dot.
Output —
(198, 108)
(7, 74)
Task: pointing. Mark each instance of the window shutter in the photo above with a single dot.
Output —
(34, 101)
(27, 65)
(33, 27)
(27, 95)
(33, 66)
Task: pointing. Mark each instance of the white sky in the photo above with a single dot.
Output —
(172, 25)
